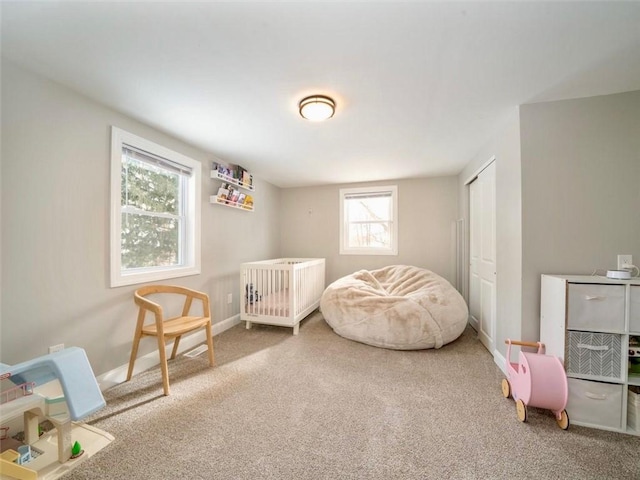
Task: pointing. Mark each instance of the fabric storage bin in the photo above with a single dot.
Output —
(595, 354)
(633, 402)
(633, 421)
(596, 307)
(595, 403)
(633, 410)
(634, 310)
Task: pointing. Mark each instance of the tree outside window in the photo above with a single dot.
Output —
(155, 211)
(369, 221)
(152, 215)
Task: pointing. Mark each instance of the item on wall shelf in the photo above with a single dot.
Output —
(247, 179)
(229, 203)
(223, 192)
(223, 170)
(235, 179)
(234, 195)
(235, 174)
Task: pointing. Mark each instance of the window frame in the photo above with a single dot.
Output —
(190, 244)
(345, 249)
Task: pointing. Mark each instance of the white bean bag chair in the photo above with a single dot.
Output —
(398, 307)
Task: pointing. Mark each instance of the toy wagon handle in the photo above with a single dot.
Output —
(523, 344)
(538, 345)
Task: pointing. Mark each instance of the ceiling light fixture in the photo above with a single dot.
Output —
(317, 108)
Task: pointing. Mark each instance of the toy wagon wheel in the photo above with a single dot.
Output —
(506, 388)
(521, 410)
(563, 421)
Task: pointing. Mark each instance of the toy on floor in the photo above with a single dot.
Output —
(10, 467)
(537, 380)
(76, 450)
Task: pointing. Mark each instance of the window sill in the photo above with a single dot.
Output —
(155, 276)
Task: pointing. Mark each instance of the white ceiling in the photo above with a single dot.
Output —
(420, 86)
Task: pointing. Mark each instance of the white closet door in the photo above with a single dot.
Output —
(482, 254)
(474, 253)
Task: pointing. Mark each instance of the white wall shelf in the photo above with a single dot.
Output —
(234, 181)
(221, 201)
(230, 192)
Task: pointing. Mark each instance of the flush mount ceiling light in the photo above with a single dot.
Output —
(317, 108)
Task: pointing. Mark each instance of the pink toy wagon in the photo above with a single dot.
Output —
(537, 380)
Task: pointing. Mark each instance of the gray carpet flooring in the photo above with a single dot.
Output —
(318, 406)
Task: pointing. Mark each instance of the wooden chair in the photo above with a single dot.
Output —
(170, 328)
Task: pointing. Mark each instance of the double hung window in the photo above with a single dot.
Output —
(155, 211)
(369, 221)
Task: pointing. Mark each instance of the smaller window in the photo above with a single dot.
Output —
(369, 221)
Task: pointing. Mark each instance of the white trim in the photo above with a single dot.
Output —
(460, 255)
(192, 262)
(489, 340)
(499, 360)
(119, 374)
(479, 171)
(393, 250)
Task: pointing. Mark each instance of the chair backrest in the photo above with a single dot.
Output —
(141, 300)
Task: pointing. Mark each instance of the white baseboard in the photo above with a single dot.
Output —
(474, 323)
(224, 325)
(150, 360)
(499, 360)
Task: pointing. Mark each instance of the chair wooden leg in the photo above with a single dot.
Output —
(134, 353)
(210, 344)
(136, 341)
(176, 342)
(163, 364)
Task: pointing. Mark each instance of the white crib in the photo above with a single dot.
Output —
(282, 291)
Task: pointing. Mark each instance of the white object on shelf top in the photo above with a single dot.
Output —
(596, 279)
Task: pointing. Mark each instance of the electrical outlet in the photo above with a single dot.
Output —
(229, 297)
(56, 348)
(625, 262)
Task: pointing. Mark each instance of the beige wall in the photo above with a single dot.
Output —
(567, 202)
(567, 198)
(505, 147)
(55, 226)
(580, 189)
(426, 209)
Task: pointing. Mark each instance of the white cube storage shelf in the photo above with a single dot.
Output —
(587, 322)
